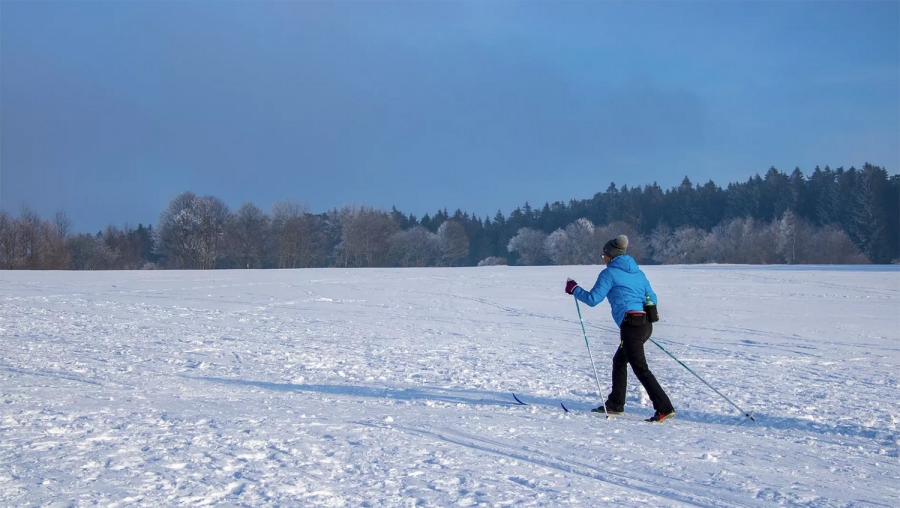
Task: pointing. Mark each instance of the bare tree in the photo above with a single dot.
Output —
(54, 254)
(212, 216)
(332, 231)
(292, 227)
(353, 236)
(454, 242)
(29, 242)
(29, 234)
(62, 224)
(9, 241)
(365, 234)
(248, 230)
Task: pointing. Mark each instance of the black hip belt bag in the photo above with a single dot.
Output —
(634, 318)
(652, 313)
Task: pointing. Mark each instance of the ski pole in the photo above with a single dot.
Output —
(599, 390)
(748, 415)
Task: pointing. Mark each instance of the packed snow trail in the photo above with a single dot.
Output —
(392, 387)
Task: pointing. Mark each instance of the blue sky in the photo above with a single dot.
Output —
(110, 109)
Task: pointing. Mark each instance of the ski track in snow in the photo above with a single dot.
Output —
(392, 387)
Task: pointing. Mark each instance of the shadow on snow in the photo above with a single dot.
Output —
(489, 398)
(450, 395)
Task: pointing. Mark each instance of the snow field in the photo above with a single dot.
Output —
(392, 387)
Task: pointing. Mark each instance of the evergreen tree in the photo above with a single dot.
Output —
(797, 185)
(775, 196)
(828, 199)
(868, 220)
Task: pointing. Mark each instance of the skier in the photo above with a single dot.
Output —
(628, 290)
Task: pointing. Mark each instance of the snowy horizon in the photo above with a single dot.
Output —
(393, 387)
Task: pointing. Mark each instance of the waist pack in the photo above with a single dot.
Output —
(652, 313)
(634, 318)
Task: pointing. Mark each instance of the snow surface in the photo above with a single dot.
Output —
(392, 387)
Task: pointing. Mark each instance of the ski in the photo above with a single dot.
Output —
(520, 403)
(626, 416)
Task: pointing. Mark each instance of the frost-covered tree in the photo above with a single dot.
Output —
(176, 232)
(662, 244)
(580, 243)
(637, 243)
(529, 245)
(415, 246)
(743, 241)
(686, 245)
(832, 245)
(558, 248)
(585, 249)
(191, 231)
(492, 261)
(791, 232)
(453, 241)
(83, 249)
(574, 245)
(726, 239)
(690, 245)
(799, 242)
(89, 252)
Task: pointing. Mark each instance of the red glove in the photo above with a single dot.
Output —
(570, 286)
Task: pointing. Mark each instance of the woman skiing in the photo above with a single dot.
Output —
(628, 291)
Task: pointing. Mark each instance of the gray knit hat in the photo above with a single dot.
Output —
(616, 246)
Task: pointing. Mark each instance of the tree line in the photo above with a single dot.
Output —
(831, 216)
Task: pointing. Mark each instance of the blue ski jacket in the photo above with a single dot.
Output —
(624, 283)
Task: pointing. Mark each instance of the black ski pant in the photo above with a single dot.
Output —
(631, 351)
